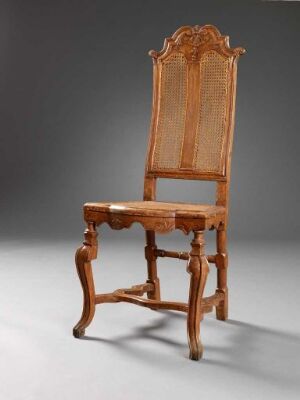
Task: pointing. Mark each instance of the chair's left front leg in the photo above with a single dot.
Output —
(198, 269)
(84, 255)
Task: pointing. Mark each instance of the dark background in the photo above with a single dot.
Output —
(76, 88)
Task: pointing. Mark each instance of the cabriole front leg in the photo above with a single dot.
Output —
(198, 269)
(84, 255)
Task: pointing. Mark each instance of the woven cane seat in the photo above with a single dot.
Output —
(157, 215)
(156, 209)
(194, 82)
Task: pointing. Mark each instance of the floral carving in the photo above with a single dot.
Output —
(185, 228)
(116, 223)
(163, 226)
(196, 36)
(192, 40)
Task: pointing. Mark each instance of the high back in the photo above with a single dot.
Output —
(190, 138)
(194, 82)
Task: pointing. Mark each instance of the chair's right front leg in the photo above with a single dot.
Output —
(198, 269)
(83, 258)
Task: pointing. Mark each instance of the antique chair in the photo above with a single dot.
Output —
(190, 138)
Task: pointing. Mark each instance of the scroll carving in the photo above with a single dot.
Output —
(189, 43)
(192, 41)
(116, 223)
(163, 226)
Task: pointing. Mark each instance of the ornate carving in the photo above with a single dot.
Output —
(185, 228)
(163, 226)
(191, 43)
(116, 223)
(193, 40)
(196, 36)
(175, 220)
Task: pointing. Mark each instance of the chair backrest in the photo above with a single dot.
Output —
(194, 84)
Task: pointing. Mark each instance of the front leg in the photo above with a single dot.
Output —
(83, 258)
(198, 269)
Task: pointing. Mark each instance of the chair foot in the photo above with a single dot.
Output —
(78, 332)
(196, 354)
(222, 309)
(83, 258)
(198, 269)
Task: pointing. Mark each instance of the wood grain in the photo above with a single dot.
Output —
(193, 43)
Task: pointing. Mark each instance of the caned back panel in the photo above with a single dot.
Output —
(172, 113)
(193, 105)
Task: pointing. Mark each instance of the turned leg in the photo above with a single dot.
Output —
(198, 269)
(83, 258)
(222, 264)
(151, 264)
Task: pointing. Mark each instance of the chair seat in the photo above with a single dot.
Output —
(191, 132)
(157, 215)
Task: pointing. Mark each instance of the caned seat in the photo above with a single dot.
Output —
(191, 134)
(171, 215)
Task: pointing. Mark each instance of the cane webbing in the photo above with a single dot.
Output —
(210, 130)
(172, 109)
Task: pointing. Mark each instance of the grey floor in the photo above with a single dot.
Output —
(135, 353)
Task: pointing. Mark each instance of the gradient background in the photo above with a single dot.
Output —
(76, 89)
(76, 92)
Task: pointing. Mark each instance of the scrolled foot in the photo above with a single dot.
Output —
(78, 332)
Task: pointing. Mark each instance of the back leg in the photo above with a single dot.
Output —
(151, 265)
(222, 265)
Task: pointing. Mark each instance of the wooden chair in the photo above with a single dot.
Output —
(190, 138)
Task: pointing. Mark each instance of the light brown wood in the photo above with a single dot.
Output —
(191, 135)
(181, 255)
(156, 216)
(151, 257)
(133, 295)
(198, 269)
(84, 255)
